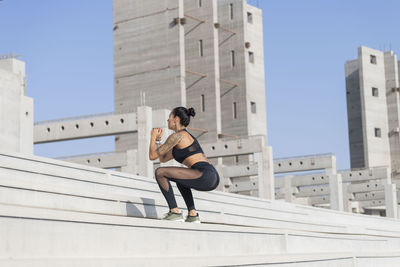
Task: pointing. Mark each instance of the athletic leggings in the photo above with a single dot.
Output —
(201, 176)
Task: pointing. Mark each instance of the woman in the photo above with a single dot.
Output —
(184, 148)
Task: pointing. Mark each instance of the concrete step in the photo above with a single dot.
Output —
(344, 259)
(43, 233)
(92, 202)
(53, 212)
(224, 207)
(51, 197)
(21, 226)
(73, 196)
(218, 212)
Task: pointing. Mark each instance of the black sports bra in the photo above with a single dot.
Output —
(181, 154)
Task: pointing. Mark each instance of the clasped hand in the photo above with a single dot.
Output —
(157, 133)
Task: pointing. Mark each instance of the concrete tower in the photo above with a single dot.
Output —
(205, 54)
(16, 110)
(373, 104)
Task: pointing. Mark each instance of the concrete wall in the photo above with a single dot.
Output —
(148, 57)
(16, 110)
(368, 111)
(250, 86)
(142, 50)
(377, 152)
(242, 81)
(255, 74)
(354, 108)
(393, 108)
(235, 90)
(203, 59)
(375, 70)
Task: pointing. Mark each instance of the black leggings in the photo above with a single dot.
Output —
(201, 176)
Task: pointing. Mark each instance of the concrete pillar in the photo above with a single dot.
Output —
(131, 162)
(332, 169)
(335, 186)
(336, 192)
(144, 123)
(391, 201)
(182, 58)
(224, 182)
(217, 72)
(288, 188)
(160, 119)
(388, 176)
(266, 180)
(26, 126)
(346, 196)
(16, 110)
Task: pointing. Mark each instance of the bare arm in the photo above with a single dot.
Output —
(162, 150)
(167, 157)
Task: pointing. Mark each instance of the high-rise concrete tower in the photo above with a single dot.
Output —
(205, 54)
(373, 108)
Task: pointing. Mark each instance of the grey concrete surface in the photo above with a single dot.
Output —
(200, 48)
(16, 109)
(372, 83)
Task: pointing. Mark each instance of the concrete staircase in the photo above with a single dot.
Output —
(58, 213)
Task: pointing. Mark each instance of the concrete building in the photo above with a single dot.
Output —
(16, 110)
(202, 54)
(373, 103)
(205, 54)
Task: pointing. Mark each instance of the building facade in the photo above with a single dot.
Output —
(205, 54)
(373, 103)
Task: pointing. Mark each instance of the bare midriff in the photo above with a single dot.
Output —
(189, 161)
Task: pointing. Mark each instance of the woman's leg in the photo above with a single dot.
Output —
(165, 174)
(187, 195)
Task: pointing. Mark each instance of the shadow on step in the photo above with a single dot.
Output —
(149, 209)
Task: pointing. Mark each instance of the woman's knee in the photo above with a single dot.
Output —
(158, 172)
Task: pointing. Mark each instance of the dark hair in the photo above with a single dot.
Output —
(184, 114)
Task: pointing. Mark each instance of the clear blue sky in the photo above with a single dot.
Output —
(68, 49)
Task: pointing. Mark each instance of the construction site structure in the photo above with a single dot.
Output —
(202, 54)
(373, 109)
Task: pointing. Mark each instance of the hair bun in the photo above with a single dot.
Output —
(191, 112)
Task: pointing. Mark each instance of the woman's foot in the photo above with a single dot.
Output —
(173, 216)
(193, 219)
(192, 212)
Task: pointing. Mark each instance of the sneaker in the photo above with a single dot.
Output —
(193, 219)
(172, 216)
